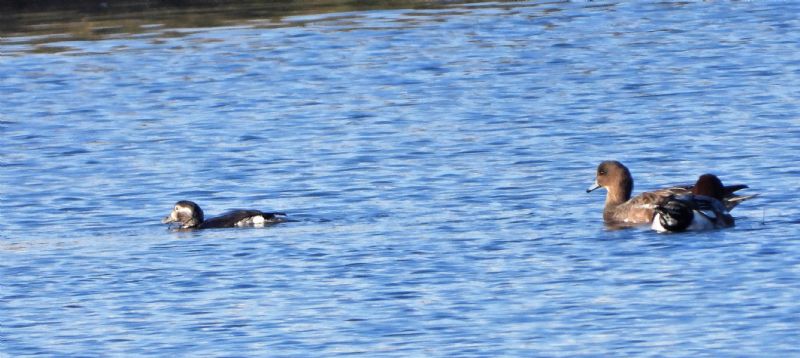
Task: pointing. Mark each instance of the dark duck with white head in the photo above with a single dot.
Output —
(190, 216)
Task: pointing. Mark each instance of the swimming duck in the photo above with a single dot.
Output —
(698, 211)
(190, 216)
(620, 209)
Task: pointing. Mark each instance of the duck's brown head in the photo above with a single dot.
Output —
(709, 185)
(615, 178)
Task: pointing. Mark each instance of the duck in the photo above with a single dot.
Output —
(189, 216)
(623, 210)
(700, 210)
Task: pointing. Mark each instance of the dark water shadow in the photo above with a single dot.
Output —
(42, 22)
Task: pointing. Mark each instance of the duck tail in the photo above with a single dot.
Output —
(730, 189)
(732, 200)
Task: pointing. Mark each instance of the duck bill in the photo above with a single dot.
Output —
(168, 219)
(594, 187)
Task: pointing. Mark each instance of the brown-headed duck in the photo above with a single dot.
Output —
(622, 210)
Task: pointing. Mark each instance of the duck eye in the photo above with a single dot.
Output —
(177, 208)
(601, 172)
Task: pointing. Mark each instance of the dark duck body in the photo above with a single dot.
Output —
(702, 209)
(190, 216)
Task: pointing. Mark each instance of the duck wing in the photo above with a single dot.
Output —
(675, 214)
(639, 209)
(691, 213)
(651, 199)
(713, 210)
(729, 200)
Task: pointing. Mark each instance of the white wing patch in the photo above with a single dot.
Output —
(257, 221)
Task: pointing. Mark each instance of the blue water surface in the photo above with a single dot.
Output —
(435, 162)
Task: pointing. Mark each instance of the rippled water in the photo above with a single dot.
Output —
(435, 162)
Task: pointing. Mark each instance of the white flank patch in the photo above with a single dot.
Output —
(258, 220)
(700, 223)
(657, 224)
